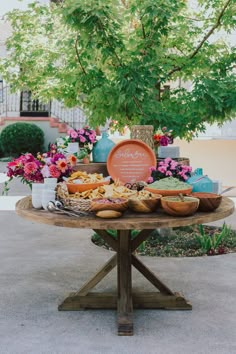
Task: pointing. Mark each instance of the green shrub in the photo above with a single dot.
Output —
(20, 138)
(1, 150)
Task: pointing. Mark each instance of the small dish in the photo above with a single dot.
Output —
(208, 201)
(117, 204)
(145, 205)
(177, 206)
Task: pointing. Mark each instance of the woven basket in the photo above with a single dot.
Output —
(77, 204)
(144, 133)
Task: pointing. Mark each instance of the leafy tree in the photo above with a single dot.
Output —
(115, 58)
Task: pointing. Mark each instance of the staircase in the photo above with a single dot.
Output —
(14, 106)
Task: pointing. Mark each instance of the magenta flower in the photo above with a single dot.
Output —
(169, 167)
(164, 141)
(150, 179)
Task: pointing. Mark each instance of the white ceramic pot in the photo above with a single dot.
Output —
(47, 196)
(37, 190)
(50, 183)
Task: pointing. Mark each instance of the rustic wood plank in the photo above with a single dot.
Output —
(156, 300)
(76, 302)
(100, 274)
(148, 274)
(128, 221)
(108, 239)
(140, 238)
(141, 300)
(124, 286)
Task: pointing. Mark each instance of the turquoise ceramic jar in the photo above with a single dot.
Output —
(102, 148)
(200, 182)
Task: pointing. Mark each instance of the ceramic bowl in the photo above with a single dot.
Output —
(117, 204)
(174, 206)
(208, 201)
(169, 192)
(144, 205)
(82, 187)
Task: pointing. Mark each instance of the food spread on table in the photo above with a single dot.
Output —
(134, 186)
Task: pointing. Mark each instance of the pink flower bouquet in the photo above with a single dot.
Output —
(169, 167)
(32, 169)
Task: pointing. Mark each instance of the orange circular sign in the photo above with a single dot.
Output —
(130, 161)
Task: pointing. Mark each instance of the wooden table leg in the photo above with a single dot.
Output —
(124, 280)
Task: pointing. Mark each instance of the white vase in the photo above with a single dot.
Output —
(37, 190)
(50, 183)
(72, 148)
(48, 196)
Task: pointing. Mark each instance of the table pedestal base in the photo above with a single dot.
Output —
(125, 299)
(141, 300)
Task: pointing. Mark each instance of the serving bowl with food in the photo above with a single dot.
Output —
(118, 204)
(207, 201)
(144, 202)
(81, 181)
(179, 205)
(169, 186)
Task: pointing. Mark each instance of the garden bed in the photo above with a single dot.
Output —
(188, 241)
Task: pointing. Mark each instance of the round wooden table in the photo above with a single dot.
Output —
(124, 299)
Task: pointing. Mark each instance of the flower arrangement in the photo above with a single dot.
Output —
(31, 169)
(85, 137)
(168, 168)
(163, 137)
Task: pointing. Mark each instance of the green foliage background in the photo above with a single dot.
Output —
(114, 57)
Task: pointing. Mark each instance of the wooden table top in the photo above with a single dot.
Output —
(128, 221)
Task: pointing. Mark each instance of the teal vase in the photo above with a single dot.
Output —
(102, 148)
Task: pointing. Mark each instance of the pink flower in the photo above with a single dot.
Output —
(152, 168)
(54, 171)
(73, 134)
(173, 165)
(150, 180)
(82, 139)
(45, 171)
(30, 168)
(162, 169)
(168, 173)
(92, 138)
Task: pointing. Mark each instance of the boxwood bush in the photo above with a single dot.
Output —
(19, 138)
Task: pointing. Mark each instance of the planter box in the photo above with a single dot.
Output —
(168, 151)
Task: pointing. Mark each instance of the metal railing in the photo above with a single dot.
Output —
(10, 106)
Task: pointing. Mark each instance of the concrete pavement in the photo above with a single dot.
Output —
(40, 264)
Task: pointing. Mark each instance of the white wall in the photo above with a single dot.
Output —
(216, 157)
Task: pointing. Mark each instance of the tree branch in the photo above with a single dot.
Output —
(143, 30)
(217, 24)
(120, 64)
(78, 56)
(209, 33)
